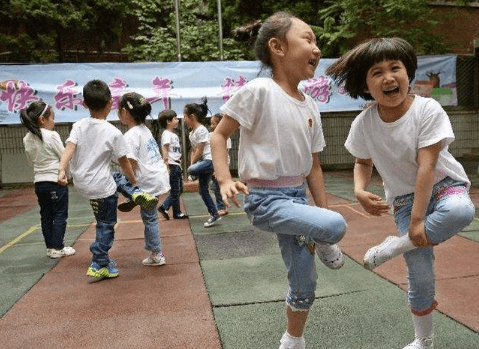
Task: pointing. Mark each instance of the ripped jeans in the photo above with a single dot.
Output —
(285, 211)
(450, 210)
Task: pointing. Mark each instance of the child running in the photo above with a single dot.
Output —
(44, 149)
(149, 168)
(171, 150)
(406, 137)
(201, 162)
(92, 145)
(220, 205)
(280, 139)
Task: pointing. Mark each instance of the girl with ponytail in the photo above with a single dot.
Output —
(44, 148)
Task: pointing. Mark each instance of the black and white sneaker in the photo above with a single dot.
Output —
(212, 221)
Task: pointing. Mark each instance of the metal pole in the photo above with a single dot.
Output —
(177, 13)
(220, 24)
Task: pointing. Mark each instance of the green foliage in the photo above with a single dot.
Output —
(412, 20)
(34, 30)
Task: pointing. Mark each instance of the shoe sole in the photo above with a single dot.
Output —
(154, 264)
(164, 214)
(126, 206)
(146, 203)
(101, 273)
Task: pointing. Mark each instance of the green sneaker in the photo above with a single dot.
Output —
(145, 200)
(109, 271)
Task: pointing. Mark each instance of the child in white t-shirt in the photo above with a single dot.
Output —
(201, 164)
(171, 150)
(149, 168)
(92, 145)
(280, 140)
(406, 137)
(44, 148)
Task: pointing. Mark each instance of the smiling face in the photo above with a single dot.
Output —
(302, 55)
(48, 122)
(388, 83)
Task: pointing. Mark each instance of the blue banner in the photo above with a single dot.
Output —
(172, 85)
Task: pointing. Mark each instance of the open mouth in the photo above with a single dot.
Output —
(313, 62)
(391, 91)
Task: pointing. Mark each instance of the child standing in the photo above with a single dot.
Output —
(220, 205)
(171, 150)
(201, 162)
(406, 137)
(93, 143)
(44, 148)
(149, 168)
(280, 139)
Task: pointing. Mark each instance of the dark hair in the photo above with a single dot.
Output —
(352, 68)
(165, 116)
(275, 26)
(30, 116)
(219, 116)
(96, 95)
(199, 110)
(137, 106)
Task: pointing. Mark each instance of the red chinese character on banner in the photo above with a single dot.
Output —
(18, 96)
(319, 89)
(117, 87)
(161, 88)
(230, 86)
(65, 97)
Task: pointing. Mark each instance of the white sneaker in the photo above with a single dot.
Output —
(288, 342)
(330, 255)
(391, 247)
(65, 251)
(155, 258)
(420, 343)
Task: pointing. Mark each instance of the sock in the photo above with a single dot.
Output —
(405, 244)
(423, 325)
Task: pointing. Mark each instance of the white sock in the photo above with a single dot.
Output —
(423, 325)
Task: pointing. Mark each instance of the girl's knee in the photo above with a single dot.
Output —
(300, 301)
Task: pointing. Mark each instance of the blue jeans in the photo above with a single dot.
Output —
(53, 201)
(203, 169)
(285, 211)
(123, 186)
(105, 215)
(152, 232)
(149, 217)
(176, 185)
(220, 205)
(449, 211)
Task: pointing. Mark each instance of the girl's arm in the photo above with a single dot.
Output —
(64, 161)
(128, 170)
(426, 159)
(228, 187)
(197, 152)
(315, 181)
(372, 203)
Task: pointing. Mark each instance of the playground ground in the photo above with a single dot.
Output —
(222, 287)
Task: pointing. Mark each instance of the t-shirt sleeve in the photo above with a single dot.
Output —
(435, 125)
(202, 136)
(57, 144)
(356, 143)
(133, 141)
(165, 138)
(318, 143)
(73, 137)
(243, 106)
(120, 147)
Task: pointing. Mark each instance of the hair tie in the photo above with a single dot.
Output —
(44, 110)
(129, 105)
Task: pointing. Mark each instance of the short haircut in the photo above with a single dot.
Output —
(96, 95)
(165, 116)
(352, 68)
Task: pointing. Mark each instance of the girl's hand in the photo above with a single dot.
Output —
(62, 178)
(417, 234)
(372, 203)
(230, 189)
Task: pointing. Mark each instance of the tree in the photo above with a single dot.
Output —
(41, 30)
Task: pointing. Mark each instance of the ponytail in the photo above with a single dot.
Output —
(30, 117)
(199, 110)
(137, 105)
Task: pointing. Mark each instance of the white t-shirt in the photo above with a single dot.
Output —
(174, 147)
(201, 135)
(393, 146)
(97, 143)
(152, 173)
(45, 156)
(278, 133)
